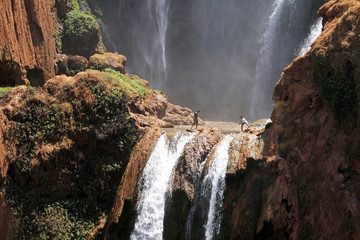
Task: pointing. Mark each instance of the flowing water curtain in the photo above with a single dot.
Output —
(314, 33)
(155, 181)
(216, 176)
(288, 26)
(265, 66)
(148, 21)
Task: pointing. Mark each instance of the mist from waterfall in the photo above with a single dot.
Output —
(155, 181)
(205, 54)
(314, 33)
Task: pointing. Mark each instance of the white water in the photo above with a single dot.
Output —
(149, 29)
(265, 64)
(156, 178)
(315, 31)
(216, 178)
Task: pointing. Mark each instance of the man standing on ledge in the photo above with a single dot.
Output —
(196, 119)
(243, 122)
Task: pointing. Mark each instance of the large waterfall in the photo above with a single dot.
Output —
(265, 65)
(279, 46)
(210, 54)
(155, 181)
(155, 184)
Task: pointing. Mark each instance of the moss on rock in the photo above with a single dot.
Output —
(72, 140)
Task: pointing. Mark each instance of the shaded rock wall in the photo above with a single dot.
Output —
(27, 38)
(306, 187)
(127, 188)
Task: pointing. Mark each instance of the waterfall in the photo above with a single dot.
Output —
(315, 31)
(155, 181)
(205, 54)
(216, 179)
(149, 26)
(265, 65)
(287, 26)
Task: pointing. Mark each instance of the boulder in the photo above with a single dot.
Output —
(179, 115)
(70, 65)
(108, 60)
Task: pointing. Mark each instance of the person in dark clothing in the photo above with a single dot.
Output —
(196, 119)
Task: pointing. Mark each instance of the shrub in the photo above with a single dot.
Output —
(80, 25)
(85, 125)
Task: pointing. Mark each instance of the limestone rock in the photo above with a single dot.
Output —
(179, 115)
(307, 183)
(187, 169)
(70, 65)
(108, 60)
(27, 38)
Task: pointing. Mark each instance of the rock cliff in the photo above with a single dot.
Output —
(70, 157)
(27, 45)
(306, 187)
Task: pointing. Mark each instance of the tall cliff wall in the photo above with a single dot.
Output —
(27, 46)
(309, 186)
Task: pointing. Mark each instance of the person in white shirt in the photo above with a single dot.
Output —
(243, 122)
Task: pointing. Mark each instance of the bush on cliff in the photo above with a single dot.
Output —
(81, 34)
(71, 140)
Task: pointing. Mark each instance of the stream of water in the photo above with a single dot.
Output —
(155, 182)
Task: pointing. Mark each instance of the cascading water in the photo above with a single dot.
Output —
(202, 53)
(265, 65)
(155, 181)
(278, 48)
(148, 40)
(204, 219)
(216, 178)
(314, 33)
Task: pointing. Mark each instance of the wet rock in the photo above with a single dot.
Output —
(187, 169)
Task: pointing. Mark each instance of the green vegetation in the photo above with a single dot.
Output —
(72, 140)
(337, 73)
(4, 91)
(72, 4)
(79, 25)
(338, 85)
(80, 33)
(130, 86)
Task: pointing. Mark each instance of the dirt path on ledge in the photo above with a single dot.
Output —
(223, 127)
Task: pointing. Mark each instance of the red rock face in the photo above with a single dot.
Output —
(310, 188)
(27, 36)
(313, 141)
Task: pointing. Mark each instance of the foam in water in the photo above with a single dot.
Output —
(315, 31)
(155, 179)
(216, 178)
